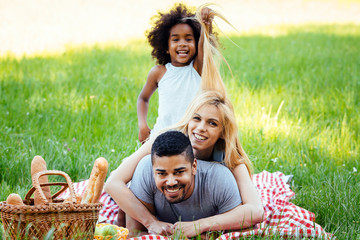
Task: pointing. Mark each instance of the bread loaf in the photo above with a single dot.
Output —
(14, 199)
(96, 182)
(78, 199)
(38, 164)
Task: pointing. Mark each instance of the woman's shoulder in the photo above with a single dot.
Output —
(212, 170)
(219, 153)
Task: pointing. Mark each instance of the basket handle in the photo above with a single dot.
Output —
(37, 185)
(63, 185)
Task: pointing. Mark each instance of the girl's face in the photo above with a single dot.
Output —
(181, 45)
(204, 129)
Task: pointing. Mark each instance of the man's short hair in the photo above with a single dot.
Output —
(172, 143)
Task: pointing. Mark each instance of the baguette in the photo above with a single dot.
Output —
(14, 199)
(96, 182)
(78, 199)
(38, 164)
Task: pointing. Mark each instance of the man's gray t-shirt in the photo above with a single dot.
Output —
(215, 192)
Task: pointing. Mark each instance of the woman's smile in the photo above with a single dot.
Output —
(199, 137)
(204, 129)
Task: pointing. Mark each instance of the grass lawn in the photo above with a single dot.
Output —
(296, 93)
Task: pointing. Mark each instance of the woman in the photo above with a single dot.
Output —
(210, 124)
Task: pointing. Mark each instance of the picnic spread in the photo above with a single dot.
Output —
(74, 210)
(281, 218)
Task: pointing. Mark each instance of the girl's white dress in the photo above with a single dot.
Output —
(176, 89)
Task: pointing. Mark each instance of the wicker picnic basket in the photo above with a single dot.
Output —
(60, 219)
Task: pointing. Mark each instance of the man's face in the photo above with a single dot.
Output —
(174, 177)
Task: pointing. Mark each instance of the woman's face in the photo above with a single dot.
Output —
(204, 129)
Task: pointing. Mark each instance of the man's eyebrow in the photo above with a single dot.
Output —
(179, 169)
(159, 170)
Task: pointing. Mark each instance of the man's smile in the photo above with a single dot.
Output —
(173, 189)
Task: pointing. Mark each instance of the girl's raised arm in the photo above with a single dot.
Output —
(207, 20)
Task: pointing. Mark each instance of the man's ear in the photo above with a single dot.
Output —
(194, 166)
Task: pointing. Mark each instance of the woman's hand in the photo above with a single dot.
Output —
(160, 228)
(189, 229)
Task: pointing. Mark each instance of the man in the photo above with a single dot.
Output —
(182, 191)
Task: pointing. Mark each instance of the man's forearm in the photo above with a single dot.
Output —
(135, 228)
(133, 207)
(242, 216)
(127, 201)
(238, 218)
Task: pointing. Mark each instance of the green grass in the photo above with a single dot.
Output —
(295, 91)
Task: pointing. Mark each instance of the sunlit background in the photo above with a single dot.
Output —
(35, 26)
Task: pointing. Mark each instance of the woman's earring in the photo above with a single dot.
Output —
(167, 52)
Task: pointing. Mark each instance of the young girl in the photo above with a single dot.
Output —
(177, 40)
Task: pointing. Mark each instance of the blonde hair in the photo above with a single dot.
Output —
(229, 143)
(213, 92)
(210, 74)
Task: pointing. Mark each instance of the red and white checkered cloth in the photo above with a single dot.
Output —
(282, 218)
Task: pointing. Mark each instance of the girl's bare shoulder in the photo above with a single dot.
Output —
(157, 72)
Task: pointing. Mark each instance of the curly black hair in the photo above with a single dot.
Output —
(172, 143)
(159, 34)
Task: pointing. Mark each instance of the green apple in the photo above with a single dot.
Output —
(97, 231)
(108, 230)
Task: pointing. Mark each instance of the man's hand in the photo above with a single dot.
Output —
(189, 229)
(144, 133)
(160, 228)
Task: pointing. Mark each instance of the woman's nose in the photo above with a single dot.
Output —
(201, 126)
